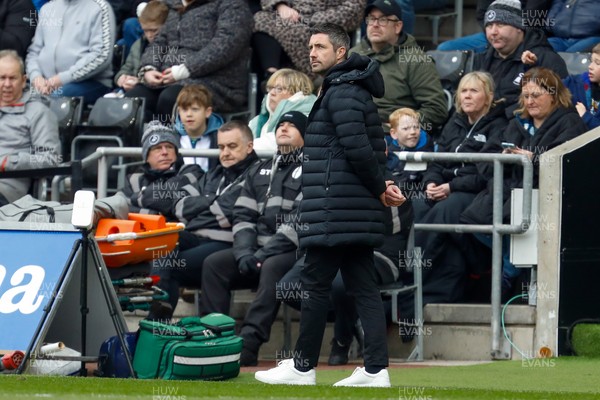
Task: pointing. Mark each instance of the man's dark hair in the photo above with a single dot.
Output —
(337, 35)
(237, 124)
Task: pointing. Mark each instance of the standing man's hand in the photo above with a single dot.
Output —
(392, 197)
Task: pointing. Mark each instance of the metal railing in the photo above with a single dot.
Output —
(497, 229)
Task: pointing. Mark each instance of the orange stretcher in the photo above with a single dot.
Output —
(140, 238)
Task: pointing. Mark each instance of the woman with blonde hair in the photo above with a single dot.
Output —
(287, 90)
(450, 187)
(545, 119)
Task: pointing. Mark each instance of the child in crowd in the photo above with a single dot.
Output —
(151, 18)
(585, 89)
(406, 134)
(197, 124)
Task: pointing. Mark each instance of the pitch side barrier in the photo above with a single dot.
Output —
(500, 347)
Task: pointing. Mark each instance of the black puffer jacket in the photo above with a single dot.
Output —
(344, 160)
(459, 136)
(562, 125)
(508, 72)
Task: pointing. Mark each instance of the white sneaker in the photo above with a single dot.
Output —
(286, 374)
(360, 377)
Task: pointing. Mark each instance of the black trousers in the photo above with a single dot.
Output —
(183, 267)
(360, 279)
(220, 275)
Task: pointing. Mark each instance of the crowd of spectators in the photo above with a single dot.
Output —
(190, 60)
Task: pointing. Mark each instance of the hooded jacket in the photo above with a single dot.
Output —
(507, 72)
(264, 125)
(212, 39)
(580, 87)
(344, 160)
(208, 210)
(409, 181)
(28, 139)
(74, 39)
(213, 123)
(562, 125)
(411, 80)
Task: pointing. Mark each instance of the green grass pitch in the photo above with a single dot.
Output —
(566, 378)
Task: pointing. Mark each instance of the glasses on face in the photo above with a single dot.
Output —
(278, 89)
(381, 21)
(533, 96)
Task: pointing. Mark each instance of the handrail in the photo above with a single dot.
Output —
(497, 229)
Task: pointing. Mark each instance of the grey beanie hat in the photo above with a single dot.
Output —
(156, 133)
(505, 12)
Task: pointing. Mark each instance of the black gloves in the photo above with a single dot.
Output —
(249, 265)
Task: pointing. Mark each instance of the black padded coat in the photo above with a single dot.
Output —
(344, 160)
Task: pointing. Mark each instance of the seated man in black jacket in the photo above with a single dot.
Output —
(207, 210)
(163, 176)
(509, 37)
(264, 238)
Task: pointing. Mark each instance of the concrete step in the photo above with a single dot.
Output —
(450, 331)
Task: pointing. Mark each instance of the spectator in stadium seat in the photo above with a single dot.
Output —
(281, 30)
(202, 42)
(508, 40)
(71, 53)
(17, 25)
(410, 77)
(535, 14)
(163, 176)
(287, 90)
(585, 89)
(407, 135)
(151, 19)
(574, 25)
(207, 212)
(197, 124)
(28, 128)
(545, 119)
(264, 238)
(452, 186)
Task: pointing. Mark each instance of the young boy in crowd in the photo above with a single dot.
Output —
(151, 19)
(585, 89)
(196, 124)
(406, 134)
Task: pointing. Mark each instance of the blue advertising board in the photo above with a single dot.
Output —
(31, 267)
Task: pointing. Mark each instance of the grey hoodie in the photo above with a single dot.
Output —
(29, 137)
(74, 39)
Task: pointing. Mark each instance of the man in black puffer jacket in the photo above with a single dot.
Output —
(343, 209)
